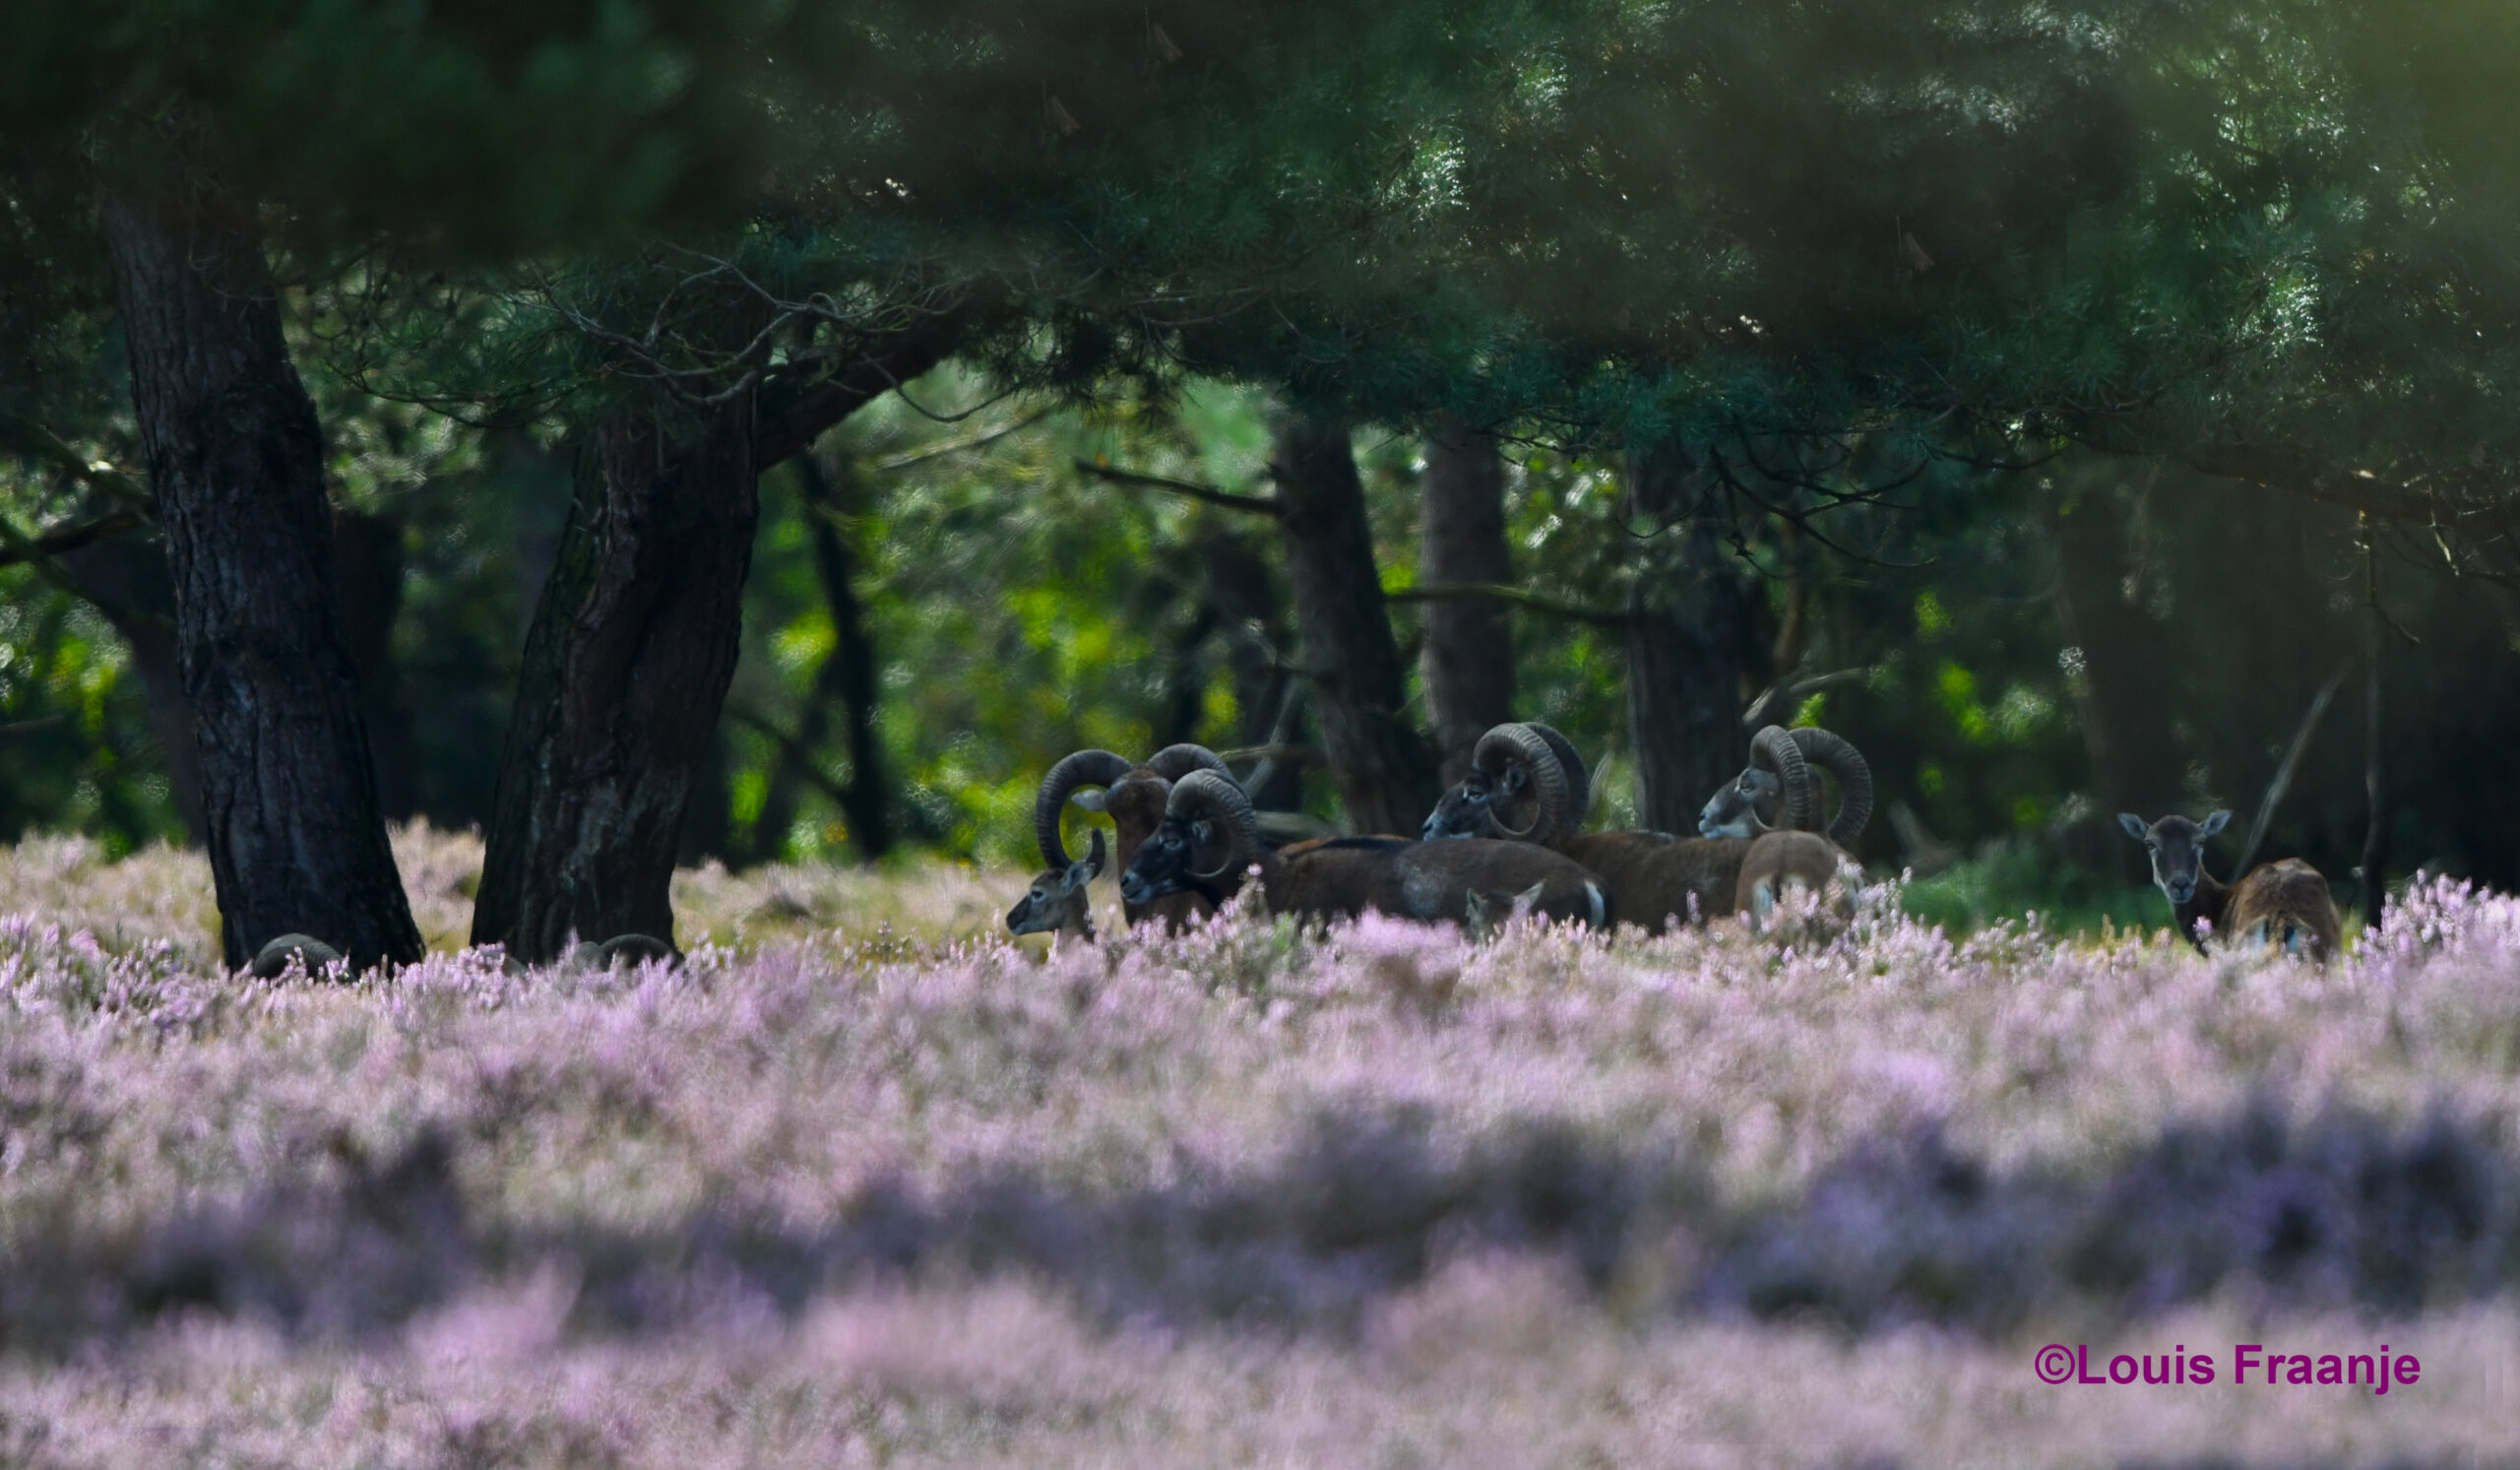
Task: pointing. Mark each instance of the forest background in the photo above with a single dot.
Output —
(2082, 410)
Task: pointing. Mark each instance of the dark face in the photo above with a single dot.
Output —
(1171, 859)
(1463, 812)
(1743, 807)
(1484, 802)
(2177, 848)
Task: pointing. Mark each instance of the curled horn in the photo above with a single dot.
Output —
(1173, 762)
(1774, 749)
(1838, 756)
(1084, 768)
(1579, 779)
(1520, 743)
(1205, 794)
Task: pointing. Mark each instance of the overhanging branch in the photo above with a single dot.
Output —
(43, 444)
(62, 539)
(1532, 602)
(1261, 505)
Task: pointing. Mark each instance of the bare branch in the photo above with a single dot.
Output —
(1431, 592)
(2291, 760)
(1262, 505)
(61, 539)
(1791, 693)
(43, 444)
(959, 446)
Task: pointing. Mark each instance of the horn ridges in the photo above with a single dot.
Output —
(1083, 768)
(1774, 748)
(1207, 794)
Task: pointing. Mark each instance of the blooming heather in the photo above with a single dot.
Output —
(867, 1181)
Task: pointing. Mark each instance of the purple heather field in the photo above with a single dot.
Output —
(866, 1184)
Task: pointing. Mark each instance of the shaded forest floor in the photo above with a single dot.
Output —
(1249, 1196)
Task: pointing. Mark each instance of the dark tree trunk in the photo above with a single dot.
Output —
(1186, 683)
(236, 458)
(2136, 763)
(845, 682)
(1384, 769)
(2371, 889)
(633, 644)
(625, 669)
(1467, 661)
(1688, 631)
(1249, 611)
(369, 550)
(709, 818)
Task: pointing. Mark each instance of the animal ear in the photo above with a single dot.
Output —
(1511, 779)
(1092, 800)
(2133, 824)
(2213, 824)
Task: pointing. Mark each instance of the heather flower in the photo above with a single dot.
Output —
(875, 1181)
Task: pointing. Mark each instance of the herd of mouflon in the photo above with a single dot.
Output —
(1509, 842)
(1186, 840)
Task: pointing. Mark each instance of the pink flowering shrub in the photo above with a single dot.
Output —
(872, 1183)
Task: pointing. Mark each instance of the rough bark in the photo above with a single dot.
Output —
(236, 459)
(633, 644)
(1468, 657)
(625, 669)
(1688, 629)
(1385, 770)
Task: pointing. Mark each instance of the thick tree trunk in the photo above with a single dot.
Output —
(845, 682)
(1468, 660)
(370, 551)
(1384, 769)
(2136, 764)
(625, 669)
(1687, 636)
(709, 812)
(633, 645)
(2371, 887)
(236, 458)
(1249, 610)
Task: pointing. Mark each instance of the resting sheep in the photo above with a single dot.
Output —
(1133, 796)
(1652, 878)
(1778, 862)
(1210, 841)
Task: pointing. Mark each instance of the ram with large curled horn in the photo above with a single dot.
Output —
(1133, 796)
(1782, 817)
(1763, 799)
(1209, 842)
(1654, 878)
(1525, 784)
